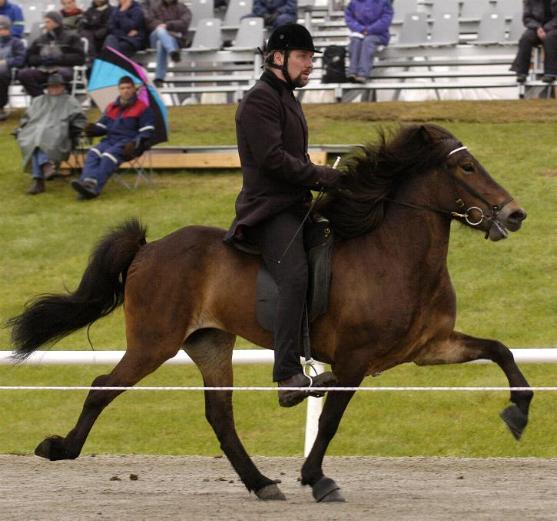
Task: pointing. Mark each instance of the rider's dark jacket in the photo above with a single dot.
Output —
(272, 137)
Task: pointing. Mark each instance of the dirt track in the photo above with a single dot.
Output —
(195, 488)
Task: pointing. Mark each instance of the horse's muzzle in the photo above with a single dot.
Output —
(509, 219)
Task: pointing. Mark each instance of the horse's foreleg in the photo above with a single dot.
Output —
(459, 348)
(211, 350)
(128, 372)
(323, 488)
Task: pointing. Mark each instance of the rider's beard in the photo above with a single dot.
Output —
(299, 81)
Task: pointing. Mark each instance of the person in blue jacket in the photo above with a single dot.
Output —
(15, 14)
(128, 125)
(276, 12)
(12, 56)
(369, 22)
(126, 28)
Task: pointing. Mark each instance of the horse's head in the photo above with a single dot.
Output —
(473, 196)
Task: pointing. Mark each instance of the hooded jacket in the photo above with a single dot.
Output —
(373, 16)
(49, 123)
(58, 47)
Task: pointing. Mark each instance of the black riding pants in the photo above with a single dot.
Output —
(290, 272)
(530, 39)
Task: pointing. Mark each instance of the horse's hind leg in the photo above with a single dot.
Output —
(211, 350)
(134, 366)
(459, 348)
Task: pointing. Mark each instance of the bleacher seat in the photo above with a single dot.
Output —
(509, 7)
(473, 9)
(403, 7)
(200, 9)
(236, 10)
(414, 31)
(441, 7)
(516, 29)
(207, 36)
(492, 29)
(251, 35)
(445, 29)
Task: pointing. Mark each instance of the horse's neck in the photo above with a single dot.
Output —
(420, 235)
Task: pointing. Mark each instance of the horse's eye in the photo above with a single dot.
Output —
(468, 168)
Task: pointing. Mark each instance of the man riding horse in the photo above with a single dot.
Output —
(278, 175)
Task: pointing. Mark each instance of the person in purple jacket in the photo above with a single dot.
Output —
(126, 28)
(369, 22)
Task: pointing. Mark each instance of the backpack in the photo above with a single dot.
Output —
(334, 64)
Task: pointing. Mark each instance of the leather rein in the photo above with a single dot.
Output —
(467, 215)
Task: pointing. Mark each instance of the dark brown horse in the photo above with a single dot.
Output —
(391, 297)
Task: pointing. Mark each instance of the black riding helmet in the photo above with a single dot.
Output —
(288, 38)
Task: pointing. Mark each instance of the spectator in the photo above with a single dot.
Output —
(48, 130)
(57, 50)
(168, 22)
(540, 20)
(369, 22)
(128, 125)
(15, 14)
(71, 15)
(12, 55)
(126, 28)
(276, 12)
(94, 26)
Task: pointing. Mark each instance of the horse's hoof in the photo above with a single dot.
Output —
(515, 420)
(270, 493)
(52, 448)
(327, 491)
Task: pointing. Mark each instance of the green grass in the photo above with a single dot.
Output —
(505, 291)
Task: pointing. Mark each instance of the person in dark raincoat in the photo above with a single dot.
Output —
(48, 130)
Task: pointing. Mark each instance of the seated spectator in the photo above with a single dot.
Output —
(128, 125)
(126, 28)
(276, 12)
(48, 131)
(12, 55)
(71, 14)
(94, 26)
(369, 22)
(56, 50)
(540, 19)
(15, 14)
(168, 22)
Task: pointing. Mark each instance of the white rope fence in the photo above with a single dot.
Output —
(255, 356)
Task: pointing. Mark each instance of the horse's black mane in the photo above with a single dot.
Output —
(373, 173)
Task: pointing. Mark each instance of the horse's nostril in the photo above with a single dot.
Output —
(517, 216)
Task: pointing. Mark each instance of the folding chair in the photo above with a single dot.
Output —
(441, 7)
(200, 9)
(516, 29)
(473, 9)
(236, 10)
(492, 29)
(445, 30)
(251, 35)
(414, 31)
(207, 36)
(509, 7)
(403, 7)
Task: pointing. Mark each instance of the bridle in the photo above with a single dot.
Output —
(467, 215)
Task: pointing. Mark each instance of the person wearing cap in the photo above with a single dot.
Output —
(127, 124)
(126, 28)
(56, 50)
(15, 14)
(278, 175)
(48, 131)
(275, 12)
(12, 56)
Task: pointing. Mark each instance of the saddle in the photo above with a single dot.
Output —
(318, 242)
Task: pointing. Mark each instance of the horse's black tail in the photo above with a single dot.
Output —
(49, 318)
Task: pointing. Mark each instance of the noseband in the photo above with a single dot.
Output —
(467, 214)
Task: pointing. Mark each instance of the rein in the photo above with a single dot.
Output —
(495, 208)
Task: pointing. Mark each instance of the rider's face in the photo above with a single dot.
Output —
(300, 66)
